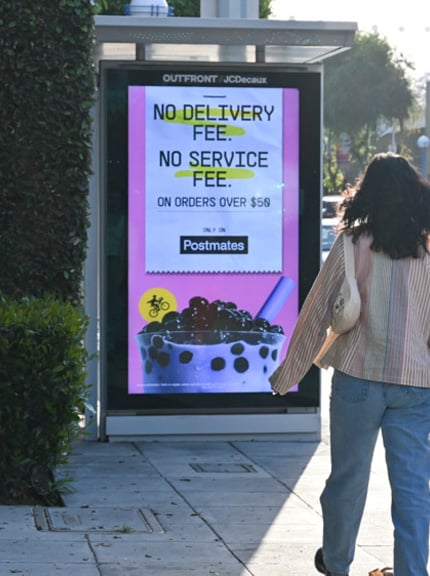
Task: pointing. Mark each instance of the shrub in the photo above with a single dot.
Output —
(46, 94)
(42, 390)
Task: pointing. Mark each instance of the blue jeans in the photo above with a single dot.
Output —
(358, 410)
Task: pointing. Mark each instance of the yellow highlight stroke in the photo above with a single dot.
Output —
(228, 173)
(229, 130)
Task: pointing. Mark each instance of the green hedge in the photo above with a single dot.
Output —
(42, 389)
(46, 93)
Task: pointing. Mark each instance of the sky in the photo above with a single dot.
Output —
(406, 26)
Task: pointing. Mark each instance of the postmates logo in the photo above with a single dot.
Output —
(155, 303)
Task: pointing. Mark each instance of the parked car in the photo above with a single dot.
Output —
(330, 204)
(328, 235)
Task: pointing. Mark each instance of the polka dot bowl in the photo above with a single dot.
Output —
(208, 361)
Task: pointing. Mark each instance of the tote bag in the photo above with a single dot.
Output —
(347, 305)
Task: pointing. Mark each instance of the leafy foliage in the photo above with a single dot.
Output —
(181, 8)
(333, 176)
(185, 7)
(45, 99)
(42, 387)
(362, 86)
(365, 83)
(192, 7)
(110, 7)
(265, 8)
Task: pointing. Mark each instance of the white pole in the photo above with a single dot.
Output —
(229, 8)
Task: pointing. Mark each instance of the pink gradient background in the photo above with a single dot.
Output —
(248, 291)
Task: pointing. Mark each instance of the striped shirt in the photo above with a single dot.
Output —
(390, 342)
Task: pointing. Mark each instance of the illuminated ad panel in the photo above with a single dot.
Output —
(212, 236)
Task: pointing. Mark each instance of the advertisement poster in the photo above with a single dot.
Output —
(212, 236)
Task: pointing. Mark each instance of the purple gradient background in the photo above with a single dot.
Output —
(248, 291)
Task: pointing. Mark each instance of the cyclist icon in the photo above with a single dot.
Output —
(157, 305)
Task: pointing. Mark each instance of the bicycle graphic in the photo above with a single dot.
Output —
(157, 305)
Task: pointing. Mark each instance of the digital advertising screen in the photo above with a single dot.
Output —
(205, 208)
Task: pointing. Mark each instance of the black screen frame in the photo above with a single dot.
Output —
(116, 76)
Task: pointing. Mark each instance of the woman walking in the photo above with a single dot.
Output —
(381, 377)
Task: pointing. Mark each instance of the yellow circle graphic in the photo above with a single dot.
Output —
(155, 303)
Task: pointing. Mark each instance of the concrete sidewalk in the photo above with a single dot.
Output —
(191, 508)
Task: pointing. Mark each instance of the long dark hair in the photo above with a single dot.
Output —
(390, 202)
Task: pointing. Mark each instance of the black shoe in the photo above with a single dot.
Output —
(319, 563)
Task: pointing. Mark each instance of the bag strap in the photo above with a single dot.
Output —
(348, 249)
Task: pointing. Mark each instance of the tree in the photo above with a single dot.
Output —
(362, 87)
(192, 7)
(110, 7)
(185, 7)
(181, 8)
(265, 8)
